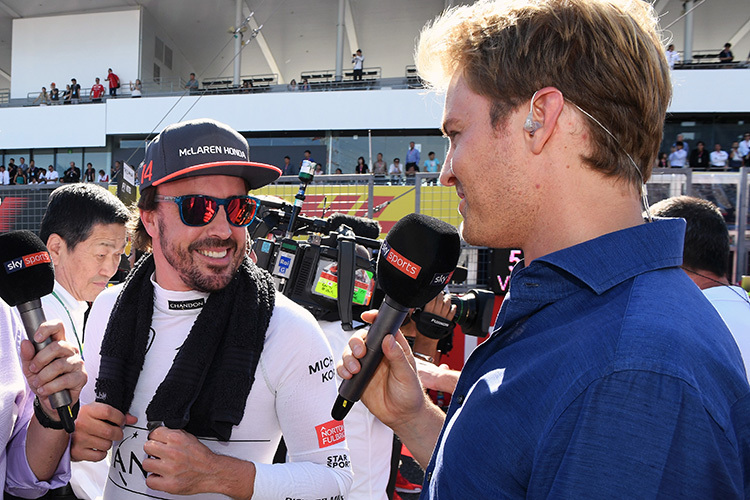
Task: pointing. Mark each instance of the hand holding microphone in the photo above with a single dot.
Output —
(415, 262)
(55, 369)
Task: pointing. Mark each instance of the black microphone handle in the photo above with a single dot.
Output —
(390, 316)
(32, 316)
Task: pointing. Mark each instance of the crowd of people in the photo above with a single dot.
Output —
(74, 93)
(28, 173)
(701, 159)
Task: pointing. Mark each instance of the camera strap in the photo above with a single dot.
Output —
(431, 325)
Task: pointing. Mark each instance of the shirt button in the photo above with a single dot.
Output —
(460, 400)
(429, 476)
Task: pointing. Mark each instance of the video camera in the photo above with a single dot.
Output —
(324, 274)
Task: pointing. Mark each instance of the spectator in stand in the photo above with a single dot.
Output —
(52, 175)
(42, 98)
(678, 158)
(394, 170)
(192, 84)
(319, 169)
(116, 172)
(54, 93)
(89, 175)
(706, 260)
(361, 167)
(33, 172)
(292, 85)
(699, 157)
(735, 158)
(745, 147)
(719, 158)
(97, 91)
(72, 174)
(358, 62)
(114, 82)
(379, 167)
(662, 161)
(673, 56)
(23, 166)
(685, 144)
(67, 95)
(307, 157)
(726, 55)
(20, 177)
(41, 175)
(305, 85)
(136, 89)
(75, 91)
(12, 169)
(4, 177)
(338, 171)
(103, 177)
(431, 164)
(412, 159)
(287, 168)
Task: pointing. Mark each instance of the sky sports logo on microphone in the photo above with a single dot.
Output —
(400, 262)
(26, 261)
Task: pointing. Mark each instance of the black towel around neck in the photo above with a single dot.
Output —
(206, 389)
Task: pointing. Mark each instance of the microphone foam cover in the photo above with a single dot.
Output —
(417, 258)
(362, 226)
(26, 271)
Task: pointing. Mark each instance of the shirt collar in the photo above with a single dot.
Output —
(71, 304)
(598, 264)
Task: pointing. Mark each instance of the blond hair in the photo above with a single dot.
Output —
(605, 56)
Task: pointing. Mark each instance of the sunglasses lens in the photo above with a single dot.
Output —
(241, 211)
(198, 210)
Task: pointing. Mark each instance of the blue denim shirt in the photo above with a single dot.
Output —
(609, 375)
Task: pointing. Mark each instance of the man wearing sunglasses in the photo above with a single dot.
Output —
(201, 365)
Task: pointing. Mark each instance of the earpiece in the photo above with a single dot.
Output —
(531, 125)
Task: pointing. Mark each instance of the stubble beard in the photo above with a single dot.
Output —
(192, 274)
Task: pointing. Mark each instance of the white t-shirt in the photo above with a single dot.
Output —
(394, 169)
(370, 440)
(293, 392)
(52, 176)
(719, 158)
(677, 159)
(733, 305)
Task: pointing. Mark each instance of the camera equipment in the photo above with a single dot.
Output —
(474, 311)
(323, 274)
(473, 315)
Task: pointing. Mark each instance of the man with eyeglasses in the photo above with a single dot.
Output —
(201, 365)
(608, 373)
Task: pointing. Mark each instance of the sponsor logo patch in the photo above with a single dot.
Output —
(212, 150)
(26, 261)
(184, 305)
(441, 279)
(400, 262)
(325, 365)
(330, 433)
(338, 461)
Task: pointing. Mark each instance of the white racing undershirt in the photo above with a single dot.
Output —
(293, 392)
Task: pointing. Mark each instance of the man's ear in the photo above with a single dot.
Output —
(148, 218)
(55, 245)
(545, 110)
